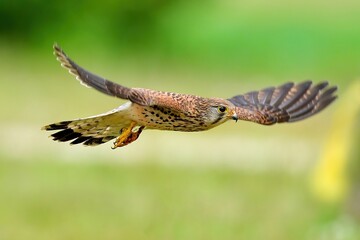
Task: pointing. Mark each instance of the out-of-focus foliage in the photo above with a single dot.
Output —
(331, 181)
(318, 36)
(127, 21)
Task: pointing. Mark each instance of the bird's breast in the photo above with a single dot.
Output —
(155, 117)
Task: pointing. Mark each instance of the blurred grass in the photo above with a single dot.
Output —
(96, 201)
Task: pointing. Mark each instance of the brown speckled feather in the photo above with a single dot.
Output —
(176, 101)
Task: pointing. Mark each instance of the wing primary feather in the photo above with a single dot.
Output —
(254, 97)
(302, 112)
(299, 89)
(325, 103)
(282, 93)
(329, 92)
(287, 103)
(322, 100)
(268, 92)
(240, 100)
(310, 95)
(317, 108)
(89, 79)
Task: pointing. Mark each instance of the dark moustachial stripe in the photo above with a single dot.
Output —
(218, 119)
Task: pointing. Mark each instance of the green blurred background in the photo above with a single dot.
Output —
(243, 181)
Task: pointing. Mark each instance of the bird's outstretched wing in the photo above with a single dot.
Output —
(287, 103)
(141, 96)
(89, 79)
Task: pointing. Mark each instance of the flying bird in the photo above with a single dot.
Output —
(151, 109)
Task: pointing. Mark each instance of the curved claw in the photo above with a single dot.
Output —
(127, 136)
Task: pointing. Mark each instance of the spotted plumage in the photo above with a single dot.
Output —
(150, 109)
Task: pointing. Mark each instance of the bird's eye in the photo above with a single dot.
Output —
(222, 109)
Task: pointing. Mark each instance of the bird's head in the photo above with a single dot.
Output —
(218, 111)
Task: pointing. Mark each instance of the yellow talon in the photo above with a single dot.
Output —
(127, 136)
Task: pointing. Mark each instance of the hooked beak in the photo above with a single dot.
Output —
(235, 116)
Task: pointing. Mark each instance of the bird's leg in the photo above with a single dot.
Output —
(132, 136)
(127, 135)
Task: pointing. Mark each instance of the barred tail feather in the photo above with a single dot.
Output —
(88, 131)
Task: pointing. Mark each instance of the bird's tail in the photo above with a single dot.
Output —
(90, 131)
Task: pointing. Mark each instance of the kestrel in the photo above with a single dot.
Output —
(150, 109)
